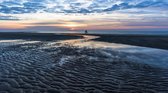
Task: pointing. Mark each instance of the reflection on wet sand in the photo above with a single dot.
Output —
(81, 66)
(152, 55)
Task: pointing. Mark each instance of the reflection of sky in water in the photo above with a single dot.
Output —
(145, 55)
(5, 43)
(151, 56)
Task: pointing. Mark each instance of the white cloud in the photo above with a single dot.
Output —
(74, 6)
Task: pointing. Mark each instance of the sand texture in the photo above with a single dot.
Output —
(80, 66)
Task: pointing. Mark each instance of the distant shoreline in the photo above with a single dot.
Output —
(155, 33)
(153, 41)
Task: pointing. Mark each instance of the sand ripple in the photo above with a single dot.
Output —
(41, 68)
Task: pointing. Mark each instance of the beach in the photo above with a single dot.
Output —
(76, 63)
(153, 41)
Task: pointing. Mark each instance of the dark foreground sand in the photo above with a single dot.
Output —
(153, 41)
(45, 66)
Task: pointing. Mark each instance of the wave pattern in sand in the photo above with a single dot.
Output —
(48, 67)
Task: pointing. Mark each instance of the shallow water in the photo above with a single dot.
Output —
(81, 66)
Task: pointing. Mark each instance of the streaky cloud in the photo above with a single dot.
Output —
(11, 18)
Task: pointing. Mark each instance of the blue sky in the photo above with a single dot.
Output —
(101, 15)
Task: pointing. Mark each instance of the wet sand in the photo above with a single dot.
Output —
(37, 36)
(80, 66)
(153, 41)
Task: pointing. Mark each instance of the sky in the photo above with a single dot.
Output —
(78, 15)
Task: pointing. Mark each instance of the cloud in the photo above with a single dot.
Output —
(45, 28)
(11, 18)
(12, 7)
(143, 4)
(74, 6)
(96, 14)
(47, 23)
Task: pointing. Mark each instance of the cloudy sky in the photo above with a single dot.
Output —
(99, 15)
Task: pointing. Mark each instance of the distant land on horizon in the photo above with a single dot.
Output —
(98, 32)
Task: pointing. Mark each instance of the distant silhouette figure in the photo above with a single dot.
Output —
(86, 32)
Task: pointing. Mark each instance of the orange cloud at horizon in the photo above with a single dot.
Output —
(94, 21)
(12, 25)
(121, 27)
(81, 22)
(76, 26)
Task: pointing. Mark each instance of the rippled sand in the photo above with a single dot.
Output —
(81, 66)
